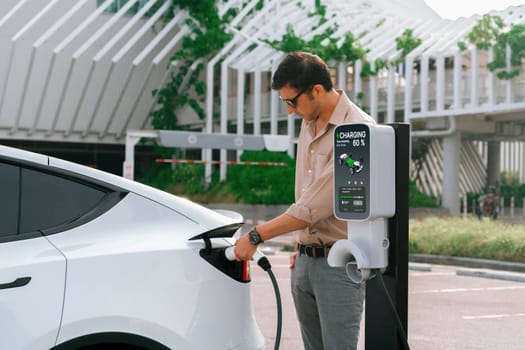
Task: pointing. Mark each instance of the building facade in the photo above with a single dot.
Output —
(79, 74)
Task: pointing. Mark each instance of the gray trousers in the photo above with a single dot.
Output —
(329, 305)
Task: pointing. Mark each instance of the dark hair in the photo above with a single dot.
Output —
(302, 70)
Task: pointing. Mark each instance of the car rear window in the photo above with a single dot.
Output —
(36, 200)
(48, 201)
(9, 198)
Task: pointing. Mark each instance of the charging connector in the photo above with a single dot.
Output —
(261, 260)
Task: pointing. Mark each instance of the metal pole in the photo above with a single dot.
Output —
(132, 138)
(381, 329)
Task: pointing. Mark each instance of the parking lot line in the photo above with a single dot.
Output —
(463, 290)
(480, 317)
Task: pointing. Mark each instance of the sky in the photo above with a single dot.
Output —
(452, 9)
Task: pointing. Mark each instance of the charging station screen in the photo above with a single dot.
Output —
(351, 171)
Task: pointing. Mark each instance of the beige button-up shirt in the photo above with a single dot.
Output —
(314, 172)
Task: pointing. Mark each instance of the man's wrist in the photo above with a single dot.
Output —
(254, 237)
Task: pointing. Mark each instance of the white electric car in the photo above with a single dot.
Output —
(90, 260)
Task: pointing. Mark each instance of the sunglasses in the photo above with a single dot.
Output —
(292, 102)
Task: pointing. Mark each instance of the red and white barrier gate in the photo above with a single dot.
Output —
(190, 161)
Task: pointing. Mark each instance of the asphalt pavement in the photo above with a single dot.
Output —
(450, 306)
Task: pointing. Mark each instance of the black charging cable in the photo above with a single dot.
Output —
(400, 329)
(264, 263)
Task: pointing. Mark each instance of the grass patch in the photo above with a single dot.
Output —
(471, 238)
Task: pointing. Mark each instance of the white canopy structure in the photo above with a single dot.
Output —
(84, 71)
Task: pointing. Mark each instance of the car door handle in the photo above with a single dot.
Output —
(19, 282)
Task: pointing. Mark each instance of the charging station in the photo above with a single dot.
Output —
(371, 173)
(364, 194)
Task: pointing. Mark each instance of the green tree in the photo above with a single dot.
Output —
(208, 36)
(491, 32)
(407, 42)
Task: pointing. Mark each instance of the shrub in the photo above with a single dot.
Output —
(417, 199)
(468, 238)
(250, 184)
(511, 187)
(183, 179)
(254, 184)
(159, 176)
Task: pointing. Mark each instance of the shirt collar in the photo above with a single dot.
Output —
(341, 109)
(339, 114)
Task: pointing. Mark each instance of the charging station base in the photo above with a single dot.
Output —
(381, 328)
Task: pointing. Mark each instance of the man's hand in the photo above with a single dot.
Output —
(293, 256)
(244, 250)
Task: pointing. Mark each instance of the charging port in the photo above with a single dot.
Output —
(238, 270)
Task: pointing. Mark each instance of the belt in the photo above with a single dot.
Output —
(314, 251)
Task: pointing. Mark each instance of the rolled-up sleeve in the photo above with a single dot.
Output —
(316, 200)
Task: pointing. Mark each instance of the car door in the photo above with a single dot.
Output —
(32, 274)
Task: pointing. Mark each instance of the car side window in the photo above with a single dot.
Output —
(9, 199)
(49, 200)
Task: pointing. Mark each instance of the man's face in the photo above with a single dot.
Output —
(300, 102)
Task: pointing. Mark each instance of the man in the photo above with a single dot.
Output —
(328, 305)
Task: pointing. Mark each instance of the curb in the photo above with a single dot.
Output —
(419, 267)
(499, 275)
(468, 262)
